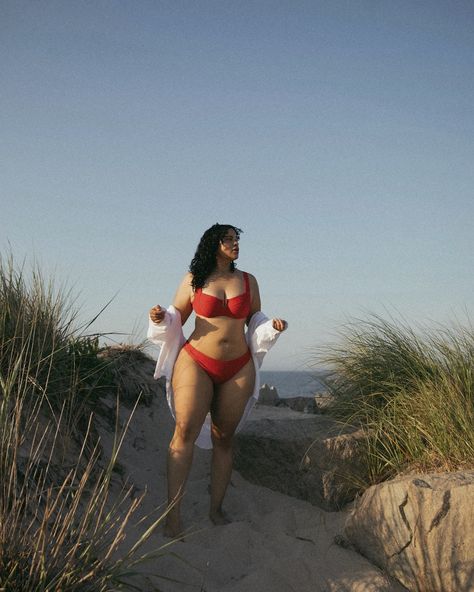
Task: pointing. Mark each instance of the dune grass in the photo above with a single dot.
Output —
(60, 529)
(411, 391)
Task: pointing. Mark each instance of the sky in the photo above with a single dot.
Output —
(338, 135)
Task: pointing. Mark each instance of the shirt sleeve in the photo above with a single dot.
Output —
(262, 335)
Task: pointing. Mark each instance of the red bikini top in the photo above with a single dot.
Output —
(209, 306)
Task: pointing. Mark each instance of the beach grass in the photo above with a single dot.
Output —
(60, 528)
(411, 391)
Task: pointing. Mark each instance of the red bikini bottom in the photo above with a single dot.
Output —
(219, 371)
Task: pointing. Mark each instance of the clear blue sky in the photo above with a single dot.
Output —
(338, 135)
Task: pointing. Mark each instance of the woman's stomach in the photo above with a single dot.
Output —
(221, 338)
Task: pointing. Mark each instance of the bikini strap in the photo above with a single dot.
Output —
(247, 283)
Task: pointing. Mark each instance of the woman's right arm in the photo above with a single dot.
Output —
(181, 301)
(183, 298)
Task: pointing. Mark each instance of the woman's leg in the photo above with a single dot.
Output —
(226, 411)
(193, 391)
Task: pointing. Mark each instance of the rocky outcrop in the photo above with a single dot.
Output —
(419, 529)
(268, 395)
(302, 404)
(317, 403)
(303, 455)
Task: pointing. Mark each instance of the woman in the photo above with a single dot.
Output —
(214, 372)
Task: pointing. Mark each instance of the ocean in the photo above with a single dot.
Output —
(292, 383)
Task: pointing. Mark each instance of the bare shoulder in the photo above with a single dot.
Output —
(183, 297)
(253, 284)
(185, 285)
(252, 278)
(254, 293)
(187, 279)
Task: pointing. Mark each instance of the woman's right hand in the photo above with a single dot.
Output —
(157, 314)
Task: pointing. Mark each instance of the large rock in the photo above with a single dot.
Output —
(302, 404)
(268, 395)
(302, 455)
(315, 404)
(420, 530)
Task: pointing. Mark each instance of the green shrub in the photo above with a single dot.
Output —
(412, 392)
(59, 527)
(38, 327)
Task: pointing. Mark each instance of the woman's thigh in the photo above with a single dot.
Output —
(193, 391)
(231, 398)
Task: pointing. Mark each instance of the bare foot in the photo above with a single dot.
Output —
(173, 530)
(219, 517)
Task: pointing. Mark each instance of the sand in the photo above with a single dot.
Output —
(275, 542)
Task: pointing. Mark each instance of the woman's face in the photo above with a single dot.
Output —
(229, 245)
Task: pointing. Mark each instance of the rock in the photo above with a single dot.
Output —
(337, 466)
(323, 401)
(268, 395)
(419, 529)
(302, 455)
(302, 404)
(317, 403)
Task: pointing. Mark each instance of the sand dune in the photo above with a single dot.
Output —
(275, 542)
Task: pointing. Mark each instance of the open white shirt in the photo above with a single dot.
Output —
(260, 336)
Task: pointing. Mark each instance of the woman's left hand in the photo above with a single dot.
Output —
(279, 324)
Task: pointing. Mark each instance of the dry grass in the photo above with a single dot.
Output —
(411, 391)
(60, 529)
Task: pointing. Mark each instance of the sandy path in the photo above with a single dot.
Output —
(275, 542)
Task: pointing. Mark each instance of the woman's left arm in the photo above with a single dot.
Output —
(278, 324)
(255, 304)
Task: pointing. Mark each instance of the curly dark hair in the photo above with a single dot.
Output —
(204, 260)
